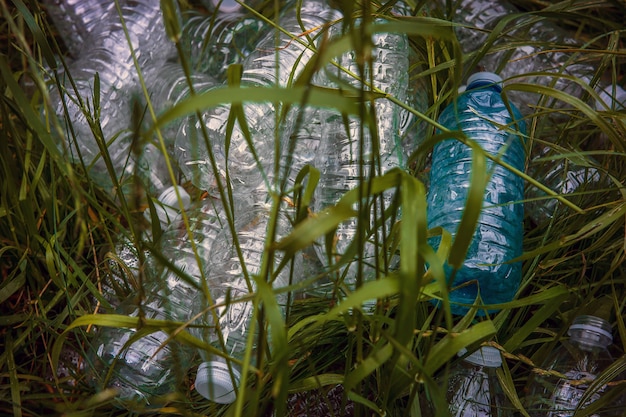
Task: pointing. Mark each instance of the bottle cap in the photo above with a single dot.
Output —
(485, 356)
(214, 382)
(167, 206)
(483, 78)
(592, 324)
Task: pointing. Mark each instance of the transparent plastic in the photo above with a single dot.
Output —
(479, 113)
(266, 66)
(543, 47)
(348, 152)
(574, 181)
(572, 367)
(473, 386)
(107, 116)
(231, 278)
(212, 42)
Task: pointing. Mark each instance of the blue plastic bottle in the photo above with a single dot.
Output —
(481, 114)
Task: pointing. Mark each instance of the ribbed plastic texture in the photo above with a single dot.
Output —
(144, 368)
(479, 113)
(474, 389)
(230, 278)
(349, 151)
(549, 50)
(577, 183)
(266, 66)
(581, 359)
(76, 20)
(106, 52)
(214, 41)
(216, 382)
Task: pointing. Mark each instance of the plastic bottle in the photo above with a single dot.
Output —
(265, 67)
(142, 369)
(574, 181)
(214, 41)
(76, 20)
(217, 378)
(107, 54)
(473, 386)
(480, 113)
(348, 156)
(541, 50)
(571, 369)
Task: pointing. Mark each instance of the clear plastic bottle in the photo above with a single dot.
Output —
(473, 386)
(480, 113)
(265, 67)
(571, 369)
(545, 47)
(142, 369)
(217, 378)
(574, 181)
(214, 41)
(76, 20)
(350, 154)
(107, 54)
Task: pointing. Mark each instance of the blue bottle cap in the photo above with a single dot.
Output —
(483, 78)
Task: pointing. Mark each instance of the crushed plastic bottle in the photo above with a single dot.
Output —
(264, 67)
(568, 385)
(145, 367)
(575, 181)
(213, 42)
(479, 113)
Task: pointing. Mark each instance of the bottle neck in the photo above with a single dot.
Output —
(590, 331)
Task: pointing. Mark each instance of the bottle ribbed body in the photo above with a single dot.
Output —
(212, 42)
(474, 389)
(545, 47)
(231, 278)
(270, 64)
(108, 55)
(497, 240)
(350, 153)
(76, 20)
(575, 182)
(574, 366)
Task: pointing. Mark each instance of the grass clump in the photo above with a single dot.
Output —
(59, 231)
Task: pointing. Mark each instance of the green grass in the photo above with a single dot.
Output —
(57, 230)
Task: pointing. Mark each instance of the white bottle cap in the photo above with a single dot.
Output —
(214, 382)
(485, 356)
(592, 324)
(484, 78)
(167, 206)
(607, 100)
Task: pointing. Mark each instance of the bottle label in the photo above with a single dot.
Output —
(569, 392)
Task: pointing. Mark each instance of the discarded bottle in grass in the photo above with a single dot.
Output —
(213, 42)
(232, 278)
(76, 20)
(566, 381)
(265, 67)
(480, 113)
(142, 367)
(350, 153)
(473, 386)
(99, 115)
(537, 45)
(574, 181)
